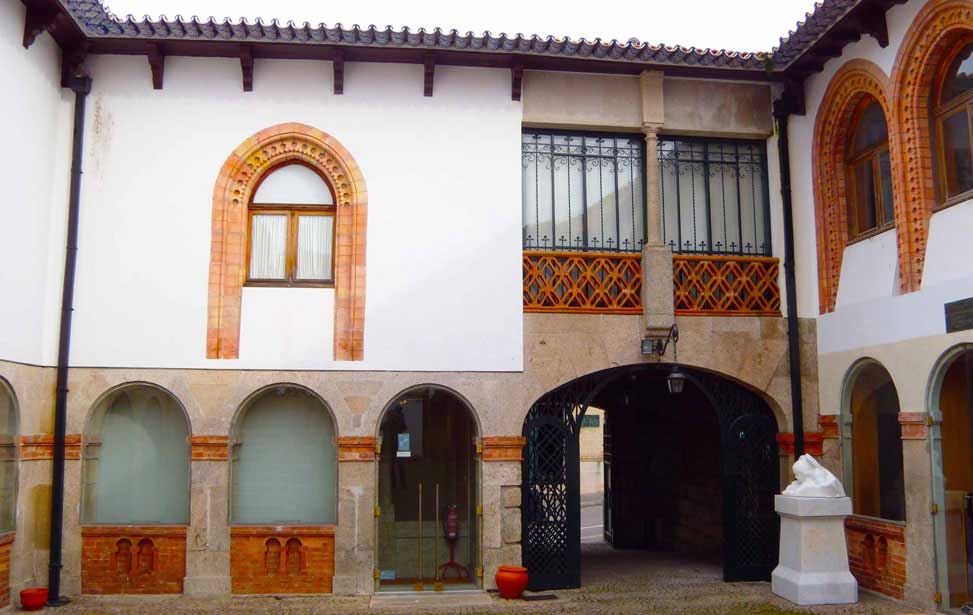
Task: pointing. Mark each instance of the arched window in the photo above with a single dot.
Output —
(8, 458)
(136, 462)
(873, 445)
(869, 171)
(952, 112)
(285, 461)
(291, 229)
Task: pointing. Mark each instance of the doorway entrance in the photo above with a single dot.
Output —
(690, 473)
(952, 439)
(428, 488)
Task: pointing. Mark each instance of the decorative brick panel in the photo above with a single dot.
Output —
(282, 560)
(876, 554)
(133, 559)
(713, 285)
(813, 443)
(937, 26)
(41, 446)
(913, 425)
(210, 448)
(582, 282)
(832, 132)
(356, 448)
(828, 423)
(6, 541)
(503, 448)
(237, 179)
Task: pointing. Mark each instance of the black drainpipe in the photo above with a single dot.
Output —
(790, 284)
(81, 85)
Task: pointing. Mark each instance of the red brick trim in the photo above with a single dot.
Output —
(813, 443)
(356, 448)
(6, 542)
(828, 424)
(938, 24)
(282, 560)
(127, 559)
(210, 448)
(503, 448)
(41, 447)
(876, 554)
(855, 79)
(914, 425)
(241, 172)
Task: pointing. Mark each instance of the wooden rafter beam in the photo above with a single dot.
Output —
(72, 63)
(38, 19)
(429, 72)
(874, 23)
(338, 65)
(246, 66)
(157, 63)
(516, 79)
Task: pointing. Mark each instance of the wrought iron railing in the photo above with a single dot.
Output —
(583, 282)
(611, 283)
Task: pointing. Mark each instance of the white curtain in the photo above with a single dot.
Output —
(268, 246)
(140, 474)
(285, 461)
(314, 247)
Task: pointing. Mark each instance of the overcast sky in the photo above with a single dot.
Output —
(741, 25)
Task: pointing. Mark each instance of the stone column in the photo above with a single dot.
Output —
(208, 538)
(920, 550)
(501, 504)
(354, 549)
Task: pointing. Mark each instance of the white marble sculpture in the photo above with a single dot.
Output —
(813, 555)
(813, 481)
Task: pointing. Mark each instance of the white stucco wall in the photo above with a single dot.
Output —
(444, 228)
(37, 115)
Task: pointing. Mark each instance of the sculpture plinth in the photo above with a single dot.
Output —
(813, 565)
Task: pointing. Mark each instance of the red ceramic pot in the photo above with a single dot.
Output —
(33, 599)
(512, 581)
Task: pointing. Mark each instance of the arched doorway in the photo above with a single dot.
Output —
(428, 491)
(952, 450)
(694, 471)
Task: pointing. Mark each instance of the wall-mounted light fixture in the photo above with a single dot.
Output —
(676, 380)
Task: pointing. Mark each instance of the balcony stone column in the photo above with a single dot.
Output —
(657, 288)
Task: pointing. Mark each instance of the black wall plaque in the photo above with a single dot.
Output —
(959, 315)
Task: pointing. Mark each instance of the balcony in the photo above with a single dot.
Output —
(611, 283)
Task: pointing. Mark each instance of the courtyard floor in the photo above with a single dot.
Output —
(613, 582)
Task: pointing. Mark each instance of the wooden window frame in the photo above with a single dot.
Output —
(852, 160)
(293, 212)
(943, 111)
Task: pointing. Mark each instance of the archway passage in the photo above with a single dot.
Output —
(428, 533)
(691, 473)
(956, 405)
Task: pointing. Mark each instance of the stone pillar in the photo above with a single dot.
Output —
(920, 549)
(354, 548)
(208, 539)
(500, 499)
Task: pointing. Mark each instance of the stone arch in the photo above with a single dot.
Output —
(238, 178)
(470, 409)
(937, 26)
(832, 130)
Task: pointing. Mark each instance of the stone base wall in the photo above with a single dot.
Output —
(133, 560)
(876, 555)
(282, 560)
(6, 542)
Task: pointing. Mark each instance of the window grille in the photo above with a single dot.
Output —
(583, 191)
(714, 196)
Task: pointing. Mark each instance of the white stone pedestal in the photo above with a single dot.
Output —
(813, 553)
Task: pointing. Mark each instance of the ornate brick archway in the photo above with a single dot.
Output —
(239, 175)
(854, 80)
(937, 26)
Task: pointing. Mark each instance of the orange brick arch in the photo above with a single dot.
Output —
(832, 130)
(937, 26)
(241, 172)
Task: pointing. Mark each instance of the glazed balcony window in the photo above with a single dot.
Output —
(868, 172)
(291, 229)
(714, 196)
(953, 113)
(583, 191)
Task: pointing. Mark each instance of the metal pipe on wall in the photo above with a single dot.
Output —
(81, 86)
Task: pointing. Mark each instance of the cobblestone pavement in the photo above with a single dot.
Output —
(626, 582)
